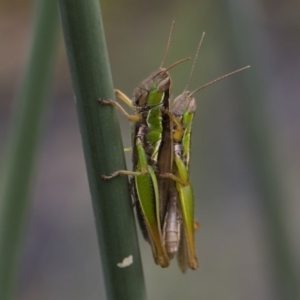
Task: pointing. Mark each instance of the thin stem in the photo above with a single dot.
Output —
(103, 149)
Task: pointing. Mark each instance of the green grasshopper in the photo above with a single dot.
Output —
(181, 225)
(152, 143)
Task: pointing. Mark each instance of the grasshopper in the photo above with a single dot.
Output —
(152, 142)
(181, 240)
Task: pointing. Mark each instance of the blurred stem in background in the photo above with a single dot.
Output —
(249, 35)
(103, 149)
(22, 151)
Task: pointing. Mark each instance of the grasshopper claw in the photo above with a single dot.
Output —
(107, 177)
(104, 101)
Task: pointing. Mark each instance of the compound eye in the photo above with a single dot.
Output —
(164, 85)
(192, 105)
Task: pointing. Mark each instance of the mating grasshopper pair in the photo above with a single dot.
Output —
(161, 134)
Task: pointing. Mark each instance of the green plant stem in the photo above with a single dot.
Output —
(103, 149)
(28, 121)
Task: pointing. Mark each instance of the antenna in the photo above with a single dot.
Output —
(218, 79)
(175, 64)
(163, 71)
(168, 45)
(194, 62)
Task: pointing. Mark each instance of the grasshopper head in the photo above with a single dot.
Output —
(150, 92)
(154, 90)
(161, 80)
(184, 103)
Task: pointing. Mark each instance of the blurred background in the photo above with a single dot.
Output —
(245, 164)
